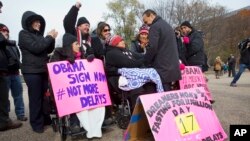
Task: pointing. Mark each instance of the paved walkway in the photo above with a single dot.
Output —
(231, 106)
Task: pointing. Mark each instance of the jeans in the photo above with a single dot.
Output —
(241, 70)
(4, 114)
(15, 85)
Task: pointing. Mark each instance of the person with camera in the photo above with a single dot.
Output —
(244, 61)
(13, 78)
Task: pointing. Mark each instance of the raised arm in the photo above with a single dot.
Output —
(69, 20)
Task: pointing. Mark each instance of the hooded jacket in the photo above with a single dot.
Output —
(34, 47)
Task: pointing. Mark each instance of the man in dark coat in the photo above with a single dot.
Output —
(81, 31)
(195, 49)
(162, 53)
(5, 122)
(14, 78)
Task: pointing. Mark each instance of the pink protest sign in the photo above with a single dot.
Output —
(193, 77)
(183, 115)
(78, 86)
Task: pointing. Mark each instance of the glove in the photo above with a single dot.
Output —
(89, 50)
(90, 57)
(89, 53)
(182, 66)
(186, 40)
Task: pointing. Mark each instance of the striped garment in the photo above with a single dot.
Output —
(137, 77)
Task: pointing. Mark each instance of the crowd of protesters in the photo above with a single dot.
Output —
(157, 45)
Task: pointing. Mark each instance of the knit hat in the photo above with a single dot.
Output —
(82, 20)
(186, 23)
(3, 27)
(113, 40)
(143, 29)
(68, 39)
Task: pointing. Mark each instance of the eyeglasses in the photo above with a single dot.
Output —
(106, 30)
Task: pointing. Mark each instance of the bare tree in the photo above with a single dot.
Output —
(125, 14)
(200, 13)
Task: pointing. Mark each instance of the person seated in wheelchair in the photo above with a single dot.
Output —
(117, 57)
(70, 51)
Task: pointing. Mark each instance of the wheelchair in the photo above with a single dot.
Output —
(124, 101)
(63, 126)
(60, 124)
(123, 111)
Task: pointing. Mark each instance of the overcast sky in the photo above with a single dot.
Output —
(54, 11)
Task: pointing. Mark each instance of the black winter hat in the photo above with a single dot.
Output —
(82, 20)
(68, 39)
(186, 23)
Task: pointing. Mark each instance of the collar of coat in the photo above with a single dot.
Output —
(156, 19)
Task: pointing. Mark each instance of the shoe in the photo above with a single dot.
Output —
(75, 128)
(107, 121)
(11, 125)
(212, 101)
(206, 79)
(22, 118)
(39, 131)
(233, 85)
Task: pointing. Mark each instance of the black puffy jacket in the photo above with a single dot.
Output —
(34, 47)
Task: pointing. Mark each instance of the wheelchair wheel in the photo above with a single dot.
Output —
(62, 128)
(123, 121)
(55, 124)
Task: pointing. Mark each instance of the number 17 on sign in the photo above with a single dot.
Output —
(187, 124)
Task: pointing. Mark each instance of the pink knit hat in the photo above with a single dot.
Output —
(114, 40)
(143, 29)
